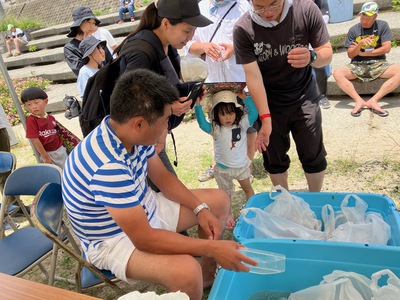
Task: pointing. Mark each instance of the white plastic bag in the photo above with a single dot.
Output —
(135, 295)
(293, 208)
(356, 226)
(339, 285)
(267, 225)
(390, 291)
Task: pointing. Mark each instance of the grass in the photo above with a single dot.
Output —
(23, 23)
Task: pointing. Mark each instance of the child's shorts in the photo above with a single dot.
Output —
(113, 254)
(225, 177)
(58, 156)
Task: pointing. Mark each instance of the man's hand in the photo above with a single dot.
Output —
(209, 223)
(299, 57)
(226, 254)
(262, 140)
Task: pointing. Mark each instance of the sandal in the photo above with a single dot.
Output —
(385, 113)
(357, 113)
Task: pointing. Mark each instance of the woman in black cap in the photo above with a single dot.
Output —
(169, 24)
(85, 24)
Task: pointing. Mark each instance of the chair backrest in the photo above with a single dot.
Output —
(28, 180)
(48, 207)
(47, 214)
(7, 162)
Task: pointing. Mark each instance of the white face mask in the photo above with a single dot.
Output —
(214, 5)
(264, 23)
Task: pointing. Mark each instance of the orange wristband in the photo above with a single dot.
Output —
(264, 116)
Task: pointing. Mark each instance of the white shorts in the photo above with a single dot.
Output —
(113, 254)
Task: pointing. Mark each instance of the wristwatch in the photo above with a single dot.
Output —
(200, 207)
(313, 57)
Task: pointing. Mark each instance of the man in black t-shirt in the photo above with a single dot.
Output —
(367, 44)
(272, 43)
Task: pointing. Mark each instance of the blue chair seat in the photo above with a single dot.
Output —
(89, 279)
(21, 248)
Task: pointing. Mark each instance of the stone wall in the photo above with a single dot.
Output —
(55, 12)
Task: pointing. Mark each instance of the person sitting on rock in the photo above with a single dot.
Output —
(17, 37)
(367, 44)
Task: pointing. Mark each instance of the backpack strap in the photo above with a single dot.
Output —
(164, 60)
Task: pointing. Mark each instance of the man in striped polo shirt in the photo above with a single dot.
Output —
(123, 225)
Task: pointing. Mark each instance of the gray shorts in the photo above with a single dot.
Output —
(368, 70)
(58, 156)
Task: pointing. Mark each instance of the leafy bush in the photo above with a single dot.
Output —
(396, 5)
(32, 48)
(19, 84)
(22, 23)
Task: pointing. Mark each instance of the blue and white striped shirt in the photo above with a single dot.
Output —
(98, 173)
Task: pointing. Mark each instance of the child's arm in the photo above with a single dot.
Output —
(39, 147)
(252, 109)
(201, 119)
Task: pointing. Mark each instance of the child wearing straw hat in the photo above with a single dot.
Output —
(228, 128)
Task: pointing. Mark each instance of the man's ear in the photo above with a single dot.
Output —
(137, 123)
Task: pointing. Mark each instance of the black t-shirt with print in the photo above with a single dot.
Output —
(381, 32)
(286, 87)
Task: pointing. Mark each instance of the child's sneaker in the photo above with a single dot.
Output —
(132, 19)
(207, 175)
(8, 55)
(120, 21)
(324, 102)
(16, 53)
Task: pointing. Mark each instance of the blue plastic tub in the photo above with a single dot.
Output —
(376, 203)
(306, 263)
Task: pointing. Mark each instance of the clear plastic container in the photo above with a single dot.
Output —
(268, 262)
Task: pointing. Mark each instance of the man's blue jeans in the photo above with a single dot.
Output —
(123, 10)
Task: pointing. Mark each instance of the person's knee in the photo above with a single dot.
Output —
(221, 203)
(187, 277)
(337, 74)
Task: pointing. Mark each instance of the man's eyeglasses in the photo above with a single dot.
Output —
(263, 9)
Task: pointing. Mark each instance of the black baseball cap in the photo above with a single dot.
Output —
(185, 10)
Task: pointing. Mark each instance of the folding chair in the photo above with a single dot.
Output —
(47, 214)
(8, 162)
(26, 247)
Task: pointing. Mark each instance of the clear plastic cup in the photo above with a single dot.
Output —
(268, 262)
